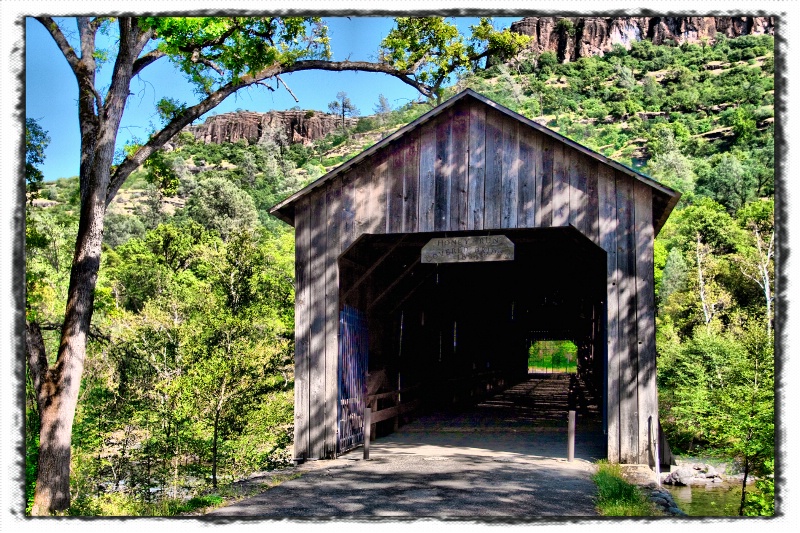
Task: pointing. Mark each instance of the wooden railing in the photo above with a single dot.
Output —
(394, 410)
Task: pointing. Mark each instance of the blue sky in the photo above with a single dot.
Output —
(51, 90)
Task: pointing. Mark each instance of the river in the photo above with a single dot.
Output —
(719, 499)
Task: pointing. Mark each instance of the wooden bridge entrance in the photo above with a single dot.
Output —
(379, 232)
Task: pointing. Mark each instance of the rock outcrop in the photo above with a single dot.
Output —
(693, 474)
(283, 127)
(575, 37)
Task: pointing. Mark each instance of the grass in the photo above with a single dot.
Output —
(617, 497)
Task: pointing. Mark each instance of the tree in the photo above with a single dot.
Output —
(219, 205)
(343, 107)
(431, 49)
(756, 258)
(36, 141)
(729, 182)
(383, 108)
(220, 56)
(120, 228)
(673, 169)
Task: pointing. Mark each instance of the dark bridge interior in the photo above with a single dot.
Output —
(451, 335)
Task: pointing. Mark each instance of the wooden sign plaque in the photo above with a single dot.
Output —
(468, 249)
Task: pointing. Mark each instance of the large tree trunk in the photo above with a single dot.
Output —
(58, 387)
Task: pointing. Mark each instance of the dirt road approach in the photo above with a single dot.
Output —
(464, 467)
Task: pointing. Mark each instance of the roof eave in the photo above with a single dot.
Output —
(283, 212)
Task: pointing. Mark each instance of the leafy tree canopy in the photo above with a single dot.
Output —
(36, 141)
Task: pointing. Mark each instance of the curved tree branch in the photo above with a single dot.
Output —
(66, 49)
(147, 59)
(174, 127)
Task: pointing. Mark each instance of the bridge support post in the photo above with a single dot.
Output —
(571, 436)
(367, 431)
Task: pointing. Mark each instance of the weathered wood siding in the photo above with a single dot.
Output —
(475, 168)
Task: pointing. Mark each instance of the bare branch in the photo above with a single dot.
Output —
(270, 87)
(207, 62)
(287, 87)
(98, 101)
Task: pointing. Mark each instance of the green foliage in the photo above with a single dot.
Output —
(553, 356)
(761, 502)
(434, 49)
(200, 315)
(566, 26)
(725, 179)
(239, 46)
(197, 371)
(169, 109)
(382, 108)
(218, 205)
(164, 170)
(36, 142)
(120, 228)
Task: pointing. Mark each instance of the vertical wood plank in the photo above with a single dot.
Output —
(592, 206)
(318, 234)
(645, 318)
(477, 165)
(333, 248)
(608, 241)
(348, 209)
(510, 180)
(443, 171)
(458, 178)
(493, 191)
(544, 183)
(529, 147)
(394, 185)
(378, 193)
(626, 264)
(578, 202)
(301, 329)
(411, 184)
(560, 185)
(427, 181)
(361, 186)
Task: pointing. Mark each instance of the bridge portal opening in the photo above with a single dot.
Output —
(442, 337)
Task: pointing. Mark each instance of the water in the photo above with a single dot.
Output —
(719, 499)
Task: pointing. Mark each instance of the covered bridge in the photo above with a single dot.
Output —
(429, 263)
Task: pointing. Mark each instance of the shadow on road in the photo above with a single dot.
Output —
(495, 460)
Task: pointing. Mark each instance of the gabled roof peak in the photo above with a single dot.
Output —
(285, 209)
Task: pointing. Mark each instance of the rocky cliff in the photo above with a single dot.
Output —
(574, 37)
(283, 127)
